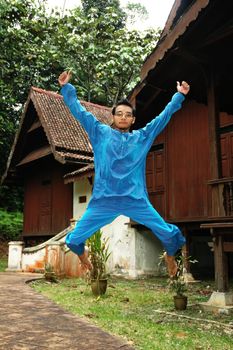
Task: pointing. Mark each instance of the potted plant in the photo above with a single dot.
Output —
(99, 255)
(49, 273)
(179, 286)
(179, 283)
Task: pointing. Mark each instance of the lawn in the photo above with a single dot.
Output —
(142, 312)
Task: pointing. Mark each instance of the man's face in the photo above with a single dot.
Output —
(123, 118)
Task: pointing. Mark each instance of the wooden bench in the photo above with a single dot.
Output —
(221, 233)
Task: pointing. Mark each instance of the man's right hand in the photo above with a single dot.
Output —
(64, 78)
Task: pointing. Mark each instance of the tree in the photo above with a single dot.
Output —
(106, 62)
(136, 11)
(35, 48)
(27, 55)
(102, 6)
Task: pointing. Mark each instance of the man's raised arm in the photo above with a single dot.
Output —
(154, 128)
(87, 120)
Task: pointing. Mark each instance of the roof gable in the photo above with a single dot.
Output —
(46, 117)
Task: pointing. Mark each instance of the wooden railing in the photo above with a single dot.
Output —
(221, 197)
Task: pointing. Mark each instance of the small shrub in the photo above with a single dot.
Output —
(99, 255)
(3, 264)
(178, 284)
(11, 225)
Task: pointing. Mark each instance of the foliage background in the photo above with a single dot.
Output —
(10, 225)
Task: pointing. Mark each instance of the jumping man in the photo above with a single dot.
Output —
(120, 160)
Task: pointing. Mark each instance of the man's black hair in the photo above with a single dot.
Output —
(124, 102)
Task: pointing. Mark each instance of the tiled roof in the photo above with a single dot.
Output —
(62, 129)
(67, 140)
(77, 174)
(75, 156)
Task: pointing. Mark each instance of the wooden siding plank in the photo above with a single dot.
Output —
(228, 247)
(213, 116)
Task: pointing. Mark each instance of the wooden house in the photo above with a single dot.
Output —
(190, 166)
(49, 143)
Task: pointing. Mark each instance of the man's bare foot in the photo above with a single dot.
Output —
(171, 264)
(85, 261)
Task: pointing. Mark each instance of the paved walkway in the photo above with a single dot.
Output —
(30, 321)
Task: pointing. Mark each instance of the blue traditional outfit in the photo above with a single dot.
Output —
(120, 183)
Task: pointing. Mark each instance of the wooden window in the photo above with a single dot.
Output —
(82, 199)
(155, 177)
(155, 169)
(227, 154)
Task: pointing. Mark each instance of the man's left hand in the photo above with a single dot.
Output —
(183, 87)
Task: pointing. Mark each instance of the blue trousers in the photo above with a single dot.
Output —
(103, 211)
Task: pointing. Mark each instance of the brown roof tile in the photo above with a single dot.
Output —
(75, 156)
(62, 129)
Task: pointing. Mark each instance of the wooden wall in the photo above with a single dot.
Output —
(178, 165)
(185, 163)
(155, 175)
(48, 202)
(188, 163)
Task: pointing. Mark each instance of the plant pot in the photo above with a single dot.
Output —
(99, 287)
(180, 302)
(50, 276)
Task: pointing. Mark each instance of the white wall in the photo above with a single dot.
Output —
(148, 253)
(81, 188)
(134, 252)
(121, 246)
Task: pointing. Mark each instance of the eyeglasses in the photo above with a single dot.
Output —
(126, 115)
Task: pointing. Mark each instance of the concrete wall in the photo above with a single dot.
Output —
(148, 252)
(134, 252)
(81, 188)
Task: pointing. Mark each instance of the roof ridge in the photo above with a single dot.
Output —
(96, 105)
(46, 92)
(57, 95)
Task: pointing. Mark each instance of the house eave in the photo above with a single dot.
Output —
(82, 173)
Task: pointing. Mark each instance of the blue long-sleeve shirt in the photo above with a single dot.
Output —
(119, 157)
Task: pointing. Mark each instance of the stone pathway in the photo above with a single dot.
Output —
(30, 321)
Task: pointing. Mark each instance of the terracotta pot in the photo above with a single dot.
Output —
(50, 276)
(99, 287)
(180, 302)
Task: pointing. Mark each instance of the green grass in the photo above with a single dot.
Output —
(3, 263)
(129, 310)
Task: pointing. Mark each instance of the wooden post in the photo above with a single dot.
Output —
(213, 113)
(221, 278)
(186, 249)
